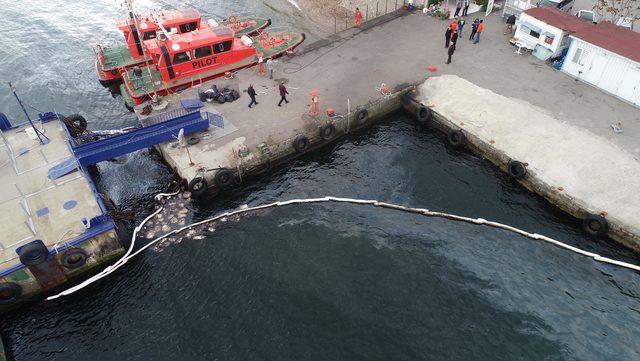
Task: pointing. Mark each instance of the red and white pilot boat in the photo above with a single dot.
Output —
(112, 61)
(180, 61)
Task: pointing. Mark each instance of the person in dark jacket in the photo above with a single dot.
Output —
(451, 50)
(511, 21)
(447, 37)
(474, 28)
(252, 95)
(454, 38)
(283, 94)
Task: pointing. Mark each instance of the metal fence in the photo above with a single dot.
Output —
(369, 12)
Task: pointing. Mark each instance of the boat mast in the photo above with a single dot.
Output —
(38, 132)
(134, 17)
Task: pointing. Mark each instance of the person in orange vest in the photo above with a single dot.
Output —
(358, 17)
(479, 31)
(260, 65)
(314, 104)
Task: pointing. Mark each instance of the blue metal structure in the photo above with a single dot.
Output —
(159, 129)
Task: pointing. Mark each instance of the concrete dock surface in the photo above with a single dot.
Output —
(349, 68)
(590, 172)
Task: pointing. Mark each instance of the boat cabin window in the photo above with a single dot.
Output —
(185, 28)
(203, 52)
(181, 57)
(222, 47)
(149, 35)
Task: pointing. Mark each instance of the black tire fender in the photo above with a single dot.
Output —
(10, 293)
(33, 254)
(198, 186)
(301, 143)
(76, 124)
(456, 138)
(74, 258)
(595, 225)
(327, 131)
(221, 99)
(224, 178)
(193, 140)
(516, 169)
(423, 115)
(362, 116)
(129, 107)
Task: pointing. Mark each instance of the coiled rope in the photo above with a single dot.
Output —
(421, 211)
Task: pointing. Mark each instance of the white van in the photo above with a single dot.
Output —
(564, 5)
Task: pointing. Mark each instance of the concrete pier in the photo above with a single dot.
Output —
(348, 71)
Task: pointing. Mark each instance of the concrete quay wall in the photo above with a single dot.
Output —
(579, 185)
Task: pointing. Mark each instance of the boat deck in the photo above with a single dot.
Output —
(151, 79)
(118, 56)
(33, 206)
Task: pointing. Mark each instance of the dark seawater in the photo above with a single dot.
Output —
(323, 282)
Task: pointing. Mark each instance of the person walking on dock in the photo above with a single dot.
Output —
(474, 28)
(465, 4)
(458, 7)
(479, 31)
(454, 37)
(447, 37)
(451, 50)
(283, 94)
(252, 95)
(358, 17)
(461, 23)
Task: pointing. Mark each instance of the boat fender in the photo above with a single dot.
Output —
(215, 88)
(193, 140)
(74, 258)
(362, 116)
(423, 115)
(327, 131)
(456, 138)
(221, 99)
(407, 98)
(129, 107)
(229, 97)
(76, 124)
(223, 178)
(198, 186)
(33, 254)
(235, 94)
(595, 225)
(10, 292)
(516, 169)
(300, 143)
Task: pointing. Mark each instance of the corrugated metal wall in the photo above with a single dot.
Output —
(610, 72)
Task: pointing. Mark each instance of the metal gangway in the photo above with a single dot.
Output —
(154, 130)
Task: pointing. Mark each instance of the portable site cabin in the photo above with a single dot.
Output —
(607, 57)
(546, 30)
(516, 7)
